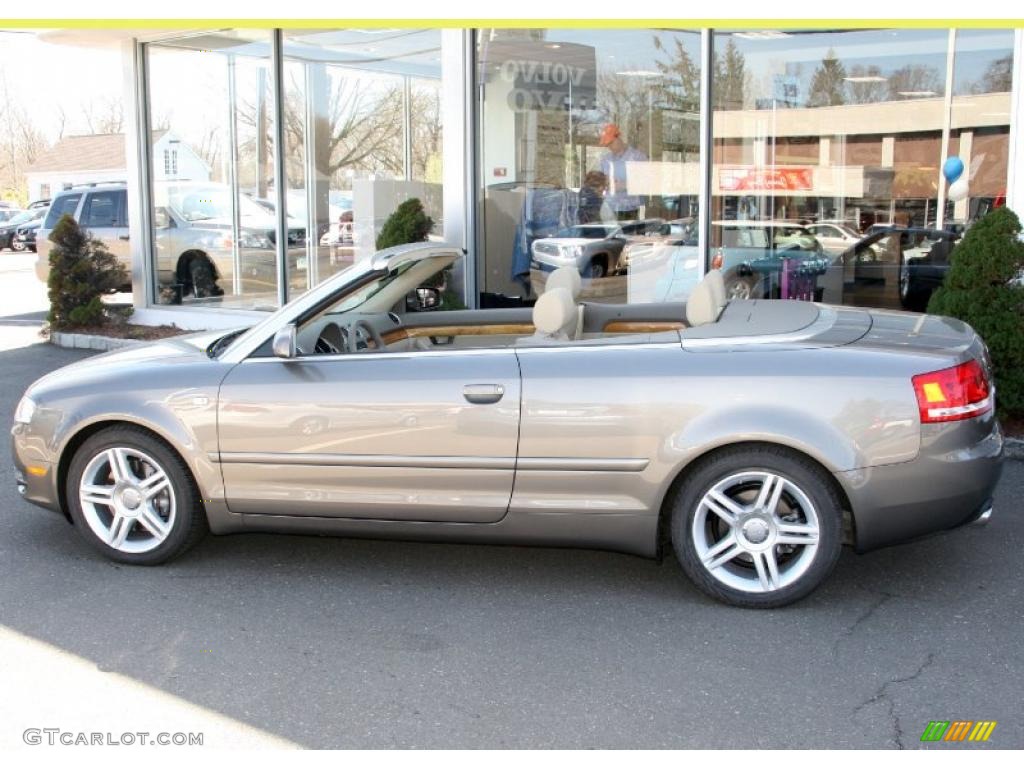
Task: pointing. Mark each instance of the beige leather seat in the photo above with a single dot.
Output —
(568, 278)
(555, 315)
(707, 300)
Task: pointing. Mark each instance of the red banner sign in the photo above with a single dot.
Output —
(777, 178)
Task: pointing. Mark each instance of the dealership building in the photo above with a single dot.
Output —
(306, 140)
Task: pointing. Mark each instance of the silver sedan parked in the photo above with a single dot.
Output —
(752, 438)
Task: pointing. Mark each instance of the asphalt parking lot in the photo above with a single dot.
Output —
(347, 643)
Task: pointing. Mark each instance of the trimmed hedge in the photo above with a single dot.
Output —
(408, 224)
(81, 271)
(984, 289)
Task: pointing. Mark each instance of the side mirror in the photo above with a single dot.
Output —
(284, 342)
(423, 300)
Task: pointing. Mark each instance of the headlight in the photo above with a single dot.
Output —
(25, 411)
(575, 251)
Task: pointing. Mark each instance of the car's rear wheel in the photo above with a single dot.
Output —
(17, 245)
(757, 527)
(133, 498)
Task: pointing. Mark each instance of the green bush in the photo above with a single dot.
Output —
(982, 288)
(81, 271)
(408, 224)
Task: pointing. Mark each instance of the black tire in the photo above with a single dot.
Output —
(741, 288)
(189, 525)
(17, 245)
(204, 281)
(912, 297)
(595, 270)
(807, 476)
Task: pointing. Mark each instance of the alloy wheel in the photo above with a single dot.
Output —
(127, 500)
(756, 531)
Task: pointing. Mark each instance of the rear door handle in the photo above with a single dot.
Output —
(482, 394)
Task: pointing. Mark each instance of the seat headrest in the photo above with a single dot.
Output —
(568, 278)
(555, 314)
(701, 307)
(717, 282)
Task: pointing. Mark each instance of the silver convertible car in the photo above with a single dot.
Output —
(752, 438)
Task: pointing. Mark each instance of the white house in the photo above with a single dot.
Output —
(96, 158)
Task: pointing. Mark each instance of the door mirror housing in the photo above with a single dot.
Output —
(423, 300)
(284, 342)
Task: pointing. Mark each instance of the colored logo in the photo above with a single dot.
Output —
(958, 730)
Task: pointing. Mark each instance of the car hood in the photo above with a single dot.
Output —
(130, 364)
(566, 242)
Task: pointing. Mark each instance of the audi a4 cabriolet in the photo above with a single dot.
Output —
(752, 438)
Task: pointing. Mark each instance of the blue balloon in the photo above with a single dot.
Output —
(952, 169)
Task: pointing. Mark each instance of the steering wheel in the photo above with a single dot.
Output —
(353, 336)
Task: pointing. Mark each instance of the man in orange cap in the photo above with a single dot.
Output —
(613, 165)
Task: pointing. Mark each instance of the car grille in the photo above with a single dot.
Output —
(551, 249)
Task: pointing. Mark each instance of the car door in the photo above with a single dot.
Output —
(593, 431)
(425, 436)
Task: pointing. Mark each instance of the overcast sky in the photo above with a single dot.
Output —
(33, 70)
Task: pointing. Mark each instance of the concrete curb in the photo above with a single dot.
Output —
(1013, 448)
(90, 341)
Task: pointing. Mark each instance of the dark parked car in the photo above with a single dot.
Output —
(25, 237)
(10, 227)
(919, 256)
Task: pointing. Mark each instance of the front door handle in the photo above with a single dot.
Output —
(482, 394)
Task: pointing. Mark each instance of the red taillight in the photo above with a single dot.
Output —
(951, 394)
(716, 260)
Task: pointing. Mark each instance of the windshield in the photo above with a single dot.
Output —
(21, 217)
(197, 202)
(589, 232)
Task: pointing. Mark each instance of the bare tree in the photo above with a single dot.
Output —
(914, 80)
(21, 142)
(104, 116)
(866, 84)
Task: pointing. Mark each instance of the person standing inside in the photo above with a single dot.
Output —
(613, 165)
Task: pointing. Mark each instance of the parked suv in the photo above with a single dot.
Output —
(594, 249)
(193, 234)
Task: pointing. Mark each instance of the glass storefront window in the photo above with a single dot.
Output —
(363, 130)
(589, 157)
(837, 136)
(980, 119)
(214, 229)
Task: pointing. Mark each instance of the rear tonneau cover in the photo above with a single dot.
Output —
(779, 323)
(918, 333)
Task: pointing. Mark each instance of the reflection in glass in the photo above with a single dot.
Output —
(363, 134)
(839, 134)
(589, 157)
(213, 222)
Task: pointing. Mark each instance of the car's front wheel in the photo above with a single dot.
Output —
(757, 527)
(133, 498)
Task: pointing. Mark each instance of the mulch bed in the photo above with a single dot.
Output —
(129, 331)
